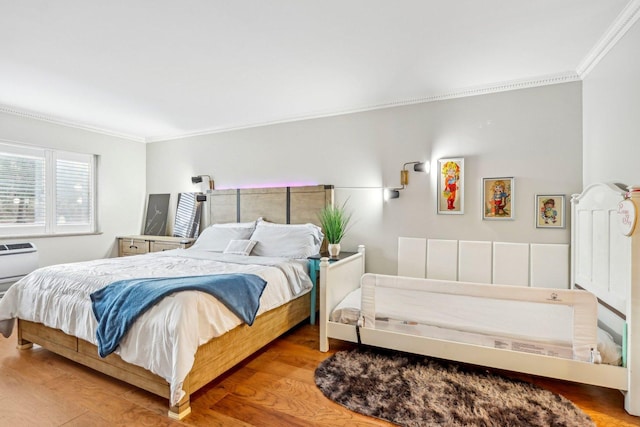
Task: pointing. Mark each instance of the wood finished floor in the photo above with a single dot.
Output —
(275, 387)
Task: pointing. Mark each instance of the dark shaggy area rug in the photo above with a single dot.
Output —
(412, 390)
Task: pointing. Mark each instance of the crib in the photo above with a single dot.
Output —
(604, 295)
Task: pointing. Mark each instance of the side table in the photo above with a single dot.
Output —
(314, 271)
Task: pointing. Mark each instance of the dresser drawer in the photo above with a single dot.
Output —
(164, 246)
(133, 246)
(141, 244)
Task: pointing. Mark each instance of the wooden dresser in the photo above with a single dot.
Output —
(136, 245)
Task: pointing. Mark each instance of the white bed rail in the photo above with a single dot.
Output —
(344, 276)
(583, 304)
(534, 364)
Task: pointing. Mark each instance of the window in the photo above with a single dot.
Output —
(44, 191)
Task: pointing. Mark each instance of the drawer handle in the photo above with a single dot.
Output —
(133, 247)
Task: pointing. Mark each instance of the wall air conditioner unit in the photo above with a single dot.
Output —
(16, 261)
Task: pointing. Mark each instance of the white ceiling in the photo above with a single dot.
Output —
(159, 69)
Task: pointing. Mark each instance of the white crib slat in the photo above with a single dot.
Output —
(584, 249)
(442, 259)
(474, 261)
(550, 265)
(620, 262)
(600, 250)
(412, 256)
(511, 263)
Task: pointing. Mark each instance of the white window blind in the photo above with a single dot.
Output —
(45, 191)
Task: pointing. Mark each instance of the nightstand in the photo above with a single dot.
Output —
(314, 271)
(136, 245)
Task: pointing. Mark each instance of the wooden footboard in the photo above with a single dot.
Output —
(212, 359)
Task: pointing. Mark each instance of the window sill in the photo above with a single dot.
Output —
(43, 236)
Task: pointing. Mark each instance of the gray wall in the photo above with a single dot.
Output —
(612, 114)
(534, 135)
(121, 191)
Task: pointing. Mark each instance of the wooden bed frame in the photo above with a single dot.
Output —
(285, 205)
(594, 228)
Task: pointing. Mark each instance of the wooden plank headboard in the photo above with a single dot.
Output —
(284, 205)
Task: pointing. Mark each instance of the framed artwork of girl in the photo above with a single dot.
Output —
(450, 186)
(498, 198)
(550, 211)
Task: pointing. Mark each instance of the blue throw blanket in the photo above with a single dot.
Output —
(119, 304)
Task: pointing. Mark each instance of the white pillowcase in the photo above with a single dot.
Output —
(240, 247)
(610, 352)
(216, 237)
(287, 240)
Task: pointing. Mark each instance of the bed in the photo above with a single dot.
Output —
(203, 337)
(541, 331)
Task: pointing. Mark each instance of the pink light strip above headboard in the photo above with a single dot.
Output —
(271, 185)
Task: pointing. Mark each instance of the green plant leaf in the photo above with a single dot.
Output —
(335, 221)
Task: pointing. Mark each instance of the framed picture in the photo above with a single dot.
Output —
(155, 223)
(451, 186)
(550, 211)
(497, 196)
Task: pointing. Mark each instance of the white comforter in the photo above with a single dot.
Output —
(164, 340)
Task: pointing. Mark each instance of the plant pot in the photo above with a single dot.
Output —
(334, 250)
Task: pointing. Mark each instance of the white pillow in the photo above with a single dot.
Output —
(610, 352)
(240, 247)
(216, 237)
(287, 240)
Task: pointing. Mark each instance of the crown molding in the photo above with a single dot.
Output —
(566, 77)
(505, 86)
(611, 37)
(496, 87)
(68, 123)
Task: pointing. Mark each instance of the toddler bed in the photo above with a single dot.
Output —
(188, 338)
(540, 331)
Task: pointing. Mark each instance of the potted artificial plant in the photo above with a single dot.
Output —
(334, 221)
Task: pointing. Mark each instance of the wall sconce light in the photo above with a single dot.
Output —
(404, 173)
(391, 193)
(198, 179)
(394, 193)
